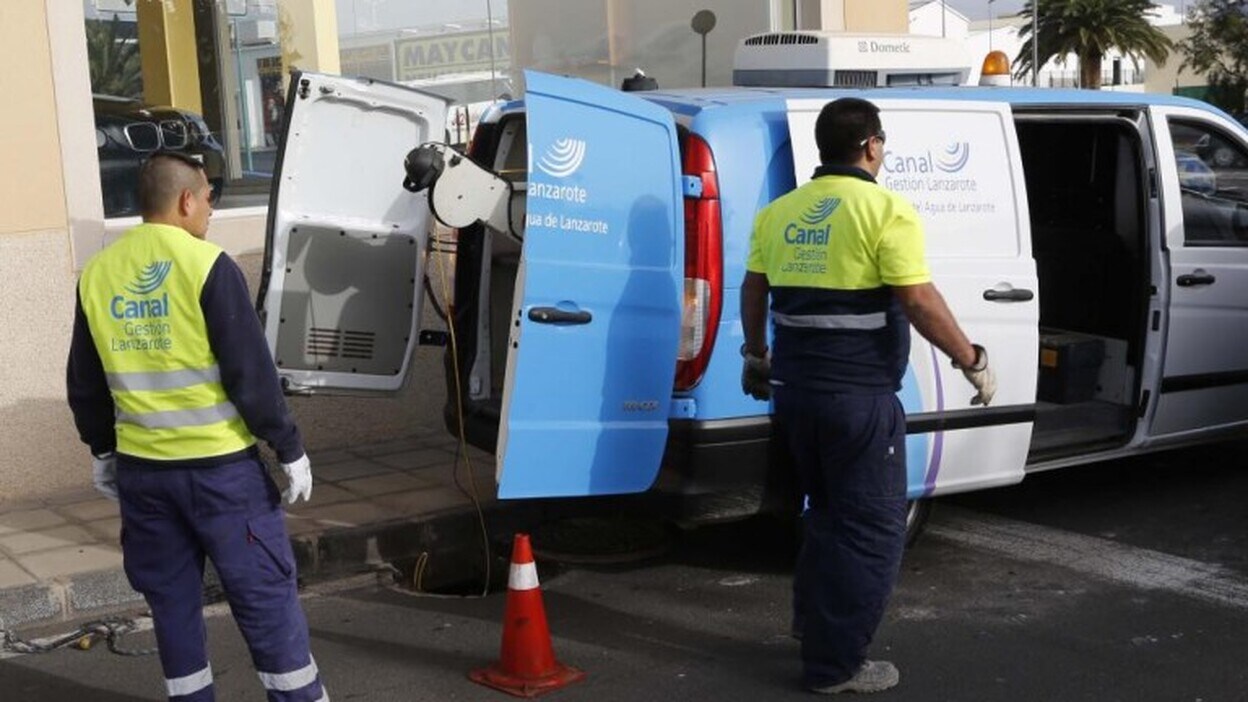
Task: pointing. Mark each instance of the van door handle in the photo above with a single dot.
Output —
(1198, 278)
(1012, 295)
(554, 315)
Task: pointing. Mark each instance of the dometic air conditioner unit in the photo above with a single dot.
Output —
(825, 59)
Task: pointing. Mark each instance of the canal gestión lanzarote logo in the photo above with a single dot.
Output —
(807, 238)
(938, 180)
(144, 314)
(955, 157)
(150, 278)
(563, 158)
(821, 210)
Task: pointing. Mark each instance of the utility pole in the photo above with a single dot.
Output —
(990, 25)
(703, 22)
(1035, 44)
(942, 19)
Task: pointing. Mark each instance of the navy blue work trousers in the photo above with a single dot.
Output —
(850, 456)
(171, 518)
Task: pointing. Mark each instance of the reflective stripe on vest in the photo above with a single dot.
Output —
(171, 419)
(865, 322)
(163, 380)
(141, 297)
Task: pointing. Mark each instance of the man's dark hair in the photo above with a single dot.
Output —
(163, 178)
(841, 128)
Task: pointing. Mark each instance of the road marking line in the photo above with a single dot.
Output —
(1127, 565)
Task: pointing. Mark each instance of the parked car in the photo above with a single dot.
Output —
(127, 131)
(1194, 174)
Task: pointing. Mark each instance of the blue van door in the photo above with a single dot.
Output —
(596, 322)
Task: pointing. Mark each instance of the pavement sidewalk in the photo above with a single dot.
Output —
(371, 504)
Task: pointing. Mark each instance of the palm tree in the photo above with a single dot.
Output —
(113, 58)
(1089, 29)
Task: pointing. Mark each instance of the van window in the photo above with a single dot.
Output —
(1213, 177)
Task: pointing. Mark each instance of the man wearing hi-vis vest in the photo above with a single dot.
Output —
(170, 382)
(842, 260)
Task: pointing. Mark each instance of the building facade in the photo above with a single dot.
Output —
(226, 60)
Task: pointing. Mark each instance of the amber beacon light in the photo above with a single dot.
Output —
(996, 69)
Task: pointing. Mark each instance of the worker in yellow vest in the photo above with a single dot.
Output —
(842, 262)
(170, 381)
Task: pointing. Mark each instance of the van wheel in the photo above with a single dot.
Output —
(917, 512)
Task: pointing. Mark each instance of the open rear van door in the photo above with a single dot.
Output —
(595, 329)
(341, 294)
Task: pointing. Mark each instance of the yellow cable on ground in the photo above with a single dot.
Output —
(459, 414)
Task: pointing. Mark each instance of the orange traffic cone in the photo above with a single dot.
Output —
(527, 665)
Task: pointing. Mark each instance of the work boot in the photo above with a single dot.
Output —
(873, 676)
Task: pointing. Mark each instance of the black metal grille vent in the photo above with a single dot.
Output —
(338, 343)
(781, 39)
(854, 79)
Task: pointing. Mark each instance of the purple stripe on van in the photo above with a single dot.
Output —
(938, 442)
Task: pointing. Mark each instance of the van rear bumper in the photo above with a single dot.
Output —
(716, 470)
(712, 470)
(709, 452)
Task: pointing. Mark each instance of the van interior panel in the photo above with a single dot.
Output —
(1086, 194)
(337, 285)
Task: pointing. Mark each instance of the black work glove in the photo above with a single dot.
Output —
(756, 375)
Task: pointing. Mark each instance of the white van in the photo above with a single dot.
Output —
(1096, 243)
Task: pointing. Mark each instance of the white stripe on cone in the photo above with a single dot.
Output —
(523, 576)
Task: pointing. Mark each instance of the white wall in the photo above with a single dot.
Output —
(605, 40)
(926, 20)
(1004, 37)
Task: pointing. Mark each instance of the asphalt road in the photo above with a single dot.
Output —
(1121, 581)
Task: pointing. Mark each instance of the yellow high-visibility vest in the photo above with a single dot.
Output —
(141, 300)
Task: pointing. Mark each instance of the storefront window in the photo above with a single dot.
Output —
(225, 103)
(155, 85)
(209, 76)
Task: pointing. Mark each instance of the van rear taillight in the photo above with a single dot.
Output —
(704, 265)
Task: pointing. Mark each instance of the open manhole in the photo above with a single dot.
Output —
(601, 540)
(454, 574)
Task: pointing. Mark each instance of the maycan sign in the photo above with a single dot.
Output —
(467, 52)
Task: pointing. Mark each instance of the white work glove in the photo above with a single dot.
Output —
(756, 375)
(980, 376)
(104, 475)
(299, 474)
